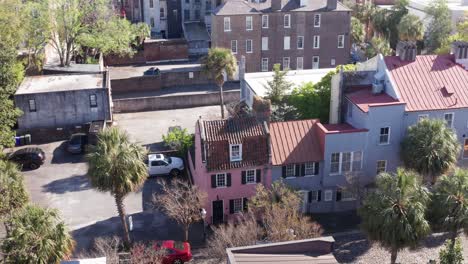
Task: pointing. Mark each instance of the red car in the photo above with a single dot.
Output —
(176, 252)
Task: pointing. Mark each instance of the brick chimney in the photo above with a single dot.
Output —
(276, 5)
(460, 51)
(331, 4)
(406, 50)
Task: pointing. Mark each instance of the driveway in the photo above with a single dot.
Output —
(62, 183)
(148, 127)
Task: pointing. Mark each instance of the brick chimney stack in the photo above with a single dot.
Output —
(406, 50)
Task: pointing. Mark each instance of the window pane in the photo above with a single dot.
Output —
(357, 158)
(310, 168)
(237, 205)
(250, 176)
(346, 162)
(335, 163)
(290, 170)
(220, 180)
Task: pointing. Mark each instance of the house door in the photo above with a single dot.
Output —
(218, 212)
(315, 62)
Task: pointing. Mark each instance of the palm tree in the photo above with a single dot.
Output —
(37, 235)
(13, 194)
(430, 148)
(116, 165)
(220, 63)
(393, 215)
(365, 13)
(410, 28)
(449, 206)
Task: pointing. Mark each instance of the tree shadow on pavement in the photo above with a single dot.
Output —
(74, 183)
(147, 226)
(350, 246)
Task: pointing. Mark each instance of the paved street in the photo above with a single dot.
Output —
(62, 183)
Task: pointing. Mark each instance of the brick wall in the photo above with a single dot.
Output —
(153, 50)
(155, 83)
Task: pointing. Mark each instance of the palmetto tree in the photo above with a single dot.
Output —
(430, 148)
(116, 165)
(449, 206)
(365, 13)
(410, 28)
(220, 63)
(37, 235)
(394, 215)
(13, 194)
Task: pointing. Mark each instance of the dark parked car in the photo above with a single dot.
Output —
(77, 143)
(31, 158)
(151, 71)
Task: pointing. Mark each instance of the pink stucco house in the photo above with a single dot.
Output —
(231, 157)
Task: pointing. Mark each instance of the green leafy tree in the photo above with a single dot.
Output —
(430, 148)
(394, 215)
(365, 13)
(357, 31)
(440, 25)
(13, 194)
(451, 255)
(117, 165)
(37, 235)
(379, 45)
(449, 206)
(380, 22)
(460, 35)
(398, 11)
(277, 88)
(220, 63)
(179, 139)
(313, 100)
(410, 28)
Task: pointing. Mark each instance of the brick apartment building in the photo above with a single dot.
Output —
(298, 34)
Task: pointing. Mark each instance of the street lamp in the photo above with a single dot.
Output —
(203, 216)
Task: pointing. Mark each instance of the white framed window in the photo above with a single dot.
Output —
(313, 196)
(299, 63)
(290, 170)
(235, 152)
(237, 205)
(92, 100)
(264, 43)
(152, 22)
(287, 42)
(316, 42)
(32, 105)
(287, 21)
(384, 137)
(162, 13)
(317, 18)
(234, 46)
(151, 4)
(328, 195)
(315, 62)
(265, 21)
(264, 64)
(332, 62)
(250, 176)
(347, 195)
(309, 168)
(335, 163)
(227, 24)
(381, 166)
(465, 149)
(340, 41)
(221, 180)
(422, 117)
(300, 42)
(357, 161)
(448, 117)
(286, 63)
(248, 46)
(346, 158)
(248, 23)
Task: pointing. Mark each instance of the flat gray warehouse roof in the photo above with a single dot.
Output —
(60, 83)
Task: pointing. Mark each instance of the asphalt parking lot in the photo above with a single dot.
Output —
(62, 183)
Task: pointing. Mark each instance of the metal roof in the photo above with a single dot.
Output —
(363, 98)
(295, 142)
(60, 83)
(431, 82)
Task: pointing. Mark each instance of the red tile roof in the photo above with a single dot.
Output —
(363, 98)
(431, 82)
(219, 134)
(295, 142)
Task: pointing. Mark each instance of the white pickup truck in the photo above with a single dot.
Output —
(159, 164)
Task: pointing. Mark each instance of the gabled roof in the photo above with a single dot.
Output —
(431, 82)
(234, 7)
(363, 98)
(219, 134)
(295, 142)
